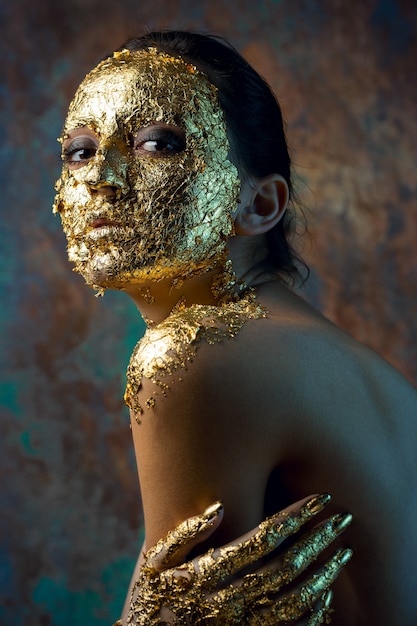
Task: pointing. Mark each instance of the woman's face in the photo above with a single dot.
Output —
(147, 190)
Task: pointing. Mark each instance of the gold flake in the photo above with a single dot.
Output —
(150, 402)
(169, 346)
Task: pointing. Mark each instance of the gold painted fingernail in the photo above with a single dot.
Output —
(345, 556)
(317, 504)
(213, 510)
(342, 521)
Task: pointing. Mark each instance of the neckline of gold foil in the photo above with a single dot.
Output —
(172, 344)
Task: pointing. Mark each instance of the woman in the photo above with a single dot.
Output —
(175, 189)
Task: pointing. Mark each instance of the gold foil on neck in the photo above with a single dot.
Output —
(172, 344)
(173, 213)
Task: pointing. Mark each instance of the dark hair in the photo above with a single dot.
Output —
(253, 120)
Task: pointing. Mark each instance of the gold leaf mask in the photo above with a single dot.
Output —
(147, 127)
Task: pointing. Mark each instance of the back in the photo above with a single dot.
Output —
(292, 406)
(349, 420)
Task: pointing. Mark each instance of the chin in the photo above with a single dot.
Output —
(113, 270)
(108, 275)
(101, 272)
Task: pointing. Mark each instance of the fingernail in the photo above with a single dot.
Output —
(213, 510)
(317, 504)
(327, 598)
(345, 556)
(342, 521)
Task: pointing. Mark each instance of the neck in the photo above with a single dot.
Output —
(157, 300)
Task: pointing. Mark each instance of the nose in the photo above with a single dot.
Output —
(103, 188)
(105, 175)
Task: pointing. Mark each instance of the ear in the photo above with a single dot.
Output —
(262, 206)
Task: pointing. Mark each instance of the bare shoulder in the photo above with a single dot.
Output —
(326, 364)
(283, 367)
(188, 335)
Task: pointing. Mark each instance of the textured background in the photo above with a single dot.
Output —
(70, 521)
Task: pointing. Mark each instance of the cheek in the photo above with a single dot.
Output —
(215, 193)
(162, 184)
(72, 200)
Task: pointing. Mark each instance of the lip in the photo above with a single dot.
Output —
(103, 228)
(102, 221)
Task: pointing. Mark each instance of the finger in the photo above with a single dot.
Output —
(172, 549)
(298, 603)
(297, 558)
(307, 550)
(252, 604)
(322, 614)
(217, 565)
(259, 589)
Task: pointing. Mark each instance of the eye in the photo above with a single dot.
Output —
(159, 141)
(79, 151)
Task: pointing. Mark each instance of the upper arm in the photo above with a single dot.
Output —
(192, 446)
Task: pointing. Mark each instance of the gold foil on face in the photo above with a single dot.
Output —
(169, 346)
(173, 214)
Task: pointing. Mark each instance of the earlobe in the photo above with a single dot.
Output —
(262, 206)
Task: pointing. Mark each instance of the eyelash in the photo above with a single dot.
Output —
(69, 152)
(174, 143)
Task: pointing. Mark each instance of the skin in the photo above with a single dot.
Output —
(280, 585)
(322, 412)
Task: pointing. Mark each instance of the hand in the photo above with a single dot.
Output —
(200, 591)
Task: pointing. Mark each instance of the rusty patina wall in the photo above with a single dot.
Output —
(70, 522)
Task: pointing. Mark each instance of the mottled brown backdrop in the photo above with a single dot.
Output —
(345, 73)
